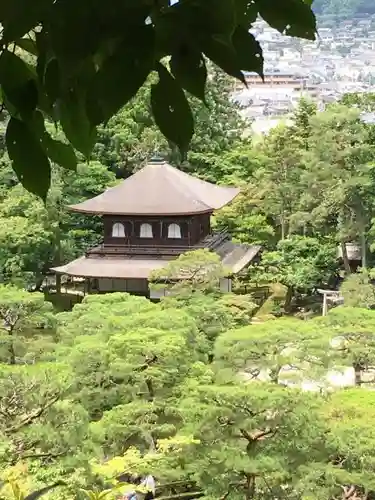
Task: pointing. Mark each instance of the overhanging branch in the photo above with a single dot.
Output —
(29, 419)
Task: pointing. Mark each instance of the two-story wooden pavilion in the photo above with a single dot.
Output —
(149, 219)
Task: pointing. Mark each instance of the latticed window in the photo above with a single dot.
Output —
(146, 231)
(174, 231)
(118, 230)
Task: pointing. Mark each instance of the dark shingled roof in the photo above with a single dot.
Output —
(159, 189)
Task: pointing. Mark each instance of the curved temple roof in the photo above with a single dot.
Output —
(234, 256)
(159, 189)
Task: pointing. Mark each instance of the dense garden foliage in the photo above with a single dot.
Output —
(187, 390)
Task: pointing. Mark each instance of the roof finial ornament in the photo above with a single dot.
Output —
(156, 158)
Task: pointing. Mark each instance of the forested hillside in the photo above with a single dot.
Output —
(345, 9)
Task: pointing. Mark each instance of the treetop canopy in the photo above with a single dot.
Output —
(87, 59)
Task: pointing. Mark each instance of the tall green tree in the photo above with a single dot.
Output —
(268, 207)
(248, 438)
(339, 176)
(36, 236)
(38, 421)
(27, 325)
(300, 263)
(358, 290)
(279, 177)
(193, 282)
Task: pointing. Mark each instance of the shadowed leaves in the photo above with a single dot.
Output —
(92, 58)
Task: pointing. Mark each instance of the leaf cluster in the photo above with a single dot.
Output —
(82, 76)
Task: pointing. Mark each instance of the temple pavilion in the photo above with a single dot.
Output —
(149, 219)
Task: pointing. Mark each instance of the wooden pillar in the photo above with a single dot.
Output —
(58, 283)
(189, 232)
(325, 305)
(363, 250)
(329, 295)
(225, 285)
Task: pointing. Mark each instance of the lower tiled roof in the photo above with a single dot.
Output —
(235, 257)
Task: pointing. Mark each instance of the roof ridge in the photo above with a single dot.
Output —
(202, 181)
(179, 188)
(193, 177)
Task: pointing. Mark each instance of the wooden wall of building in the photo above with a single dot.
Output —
(135, 286)
(193, 229)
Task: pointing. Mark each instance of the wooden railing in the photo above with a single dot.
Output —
(211, 242)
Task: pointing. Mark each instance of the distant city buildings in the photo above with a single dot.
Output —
(341, 60)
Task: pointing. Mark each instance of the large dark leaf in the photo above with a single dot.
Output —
(189, 68)
(122, 74)
(75, 30)
(28, 45)
(18, 17)
(29, 160)
(291, 17)
(52, 82)
(190, 23)
(171, 29)
(57, 151)
(223, 53)
(218, 16)
(13, 70)
(60, 153)
(79, 29)
(171, 110)
(246, 12)
(75, 123)
(24, 98)
(18, 83)
(248, 50)
(37, 494)
(208, 17)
